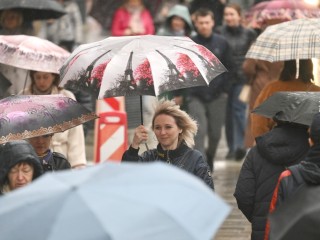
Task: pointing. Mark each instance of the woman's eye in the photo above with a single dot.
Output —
(26, 170)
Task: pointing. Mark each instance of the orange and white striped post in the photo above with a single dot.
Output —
(110, 130)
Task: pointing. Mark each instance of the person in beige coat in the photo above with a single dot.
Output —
(71, 142)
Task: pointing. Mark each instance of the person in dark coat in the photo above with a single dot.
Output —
(306, 173)
(174, 130)
(240, 40)
(203, 103)
(51, 161)
(19, 165)
(285, 145)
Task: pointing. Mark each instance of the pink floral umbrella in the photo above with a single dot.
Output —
(276, 11)
(25, 116)
(31, 53)
(140, 65)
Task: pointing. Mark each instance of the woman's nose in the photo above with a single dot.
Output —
(20, 175)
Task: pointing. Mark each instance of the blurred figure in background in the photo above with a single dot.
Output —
(67, 30)
(240, 40)
(132, 18)
(12, 23)
(216, 6)
(208, 104)
(259, 73)
(178, 23)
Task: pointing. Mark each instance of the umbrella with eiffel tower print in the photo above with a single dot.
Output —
(139, 65)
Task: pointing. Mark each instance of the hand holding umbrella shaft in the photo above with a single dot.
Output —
(140, 135)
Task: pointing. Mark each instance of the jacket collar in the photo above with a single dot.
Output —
(171, 154)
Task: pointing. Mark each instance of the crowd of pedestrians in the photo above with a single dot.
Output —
(187, 123)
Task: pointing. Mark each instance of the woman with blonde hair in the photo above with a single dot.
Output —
(175, 131)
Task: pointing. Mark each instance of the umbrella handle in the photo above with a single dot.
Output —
(141, 116)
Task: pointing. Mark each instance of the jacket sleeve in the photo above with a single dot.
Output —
(246, 187)
(132, 155)
(203, 172)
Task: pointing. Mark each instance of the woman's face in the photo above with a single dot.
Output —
(134, 3)
(166, 131)
(20, 175)
(231, 17)
(177, 23)
(41, 144)
(43, 80)
(12, 20)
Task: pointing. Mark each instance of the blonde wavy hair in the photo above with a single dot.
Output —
(183, 120)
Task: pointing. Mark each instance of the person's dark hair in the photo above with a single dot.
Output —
(236, 7)
(203, 12)
(290, 68)
(55, 82)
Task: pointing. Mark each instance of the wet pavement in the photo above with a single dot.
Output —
(235, 227)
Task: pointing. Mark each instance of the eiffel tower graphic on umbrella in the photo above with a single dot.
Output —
(85, 81)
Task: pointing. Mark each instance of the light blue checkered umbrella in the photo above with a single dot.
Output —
(297, 39)
(135, 201)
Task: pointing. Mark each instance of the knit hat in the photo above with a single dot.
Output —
(315, 129)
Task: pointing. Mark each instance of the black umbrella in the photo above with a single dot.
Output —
(298, 217)
(34, 9)
(295, 107)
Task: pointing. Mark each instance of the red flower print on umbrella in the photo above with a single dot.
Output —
(186, 66)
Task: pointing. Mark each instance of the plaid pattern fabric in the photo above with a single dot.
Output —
(297, 39)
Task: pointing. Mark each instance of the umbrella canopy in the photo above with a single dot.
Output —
(295, 107)
(297, 39)
(139, 65)
(298, 218)
(34, 9)
(31, 53)
(277, 11)
(26, 116)
(113, 201)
